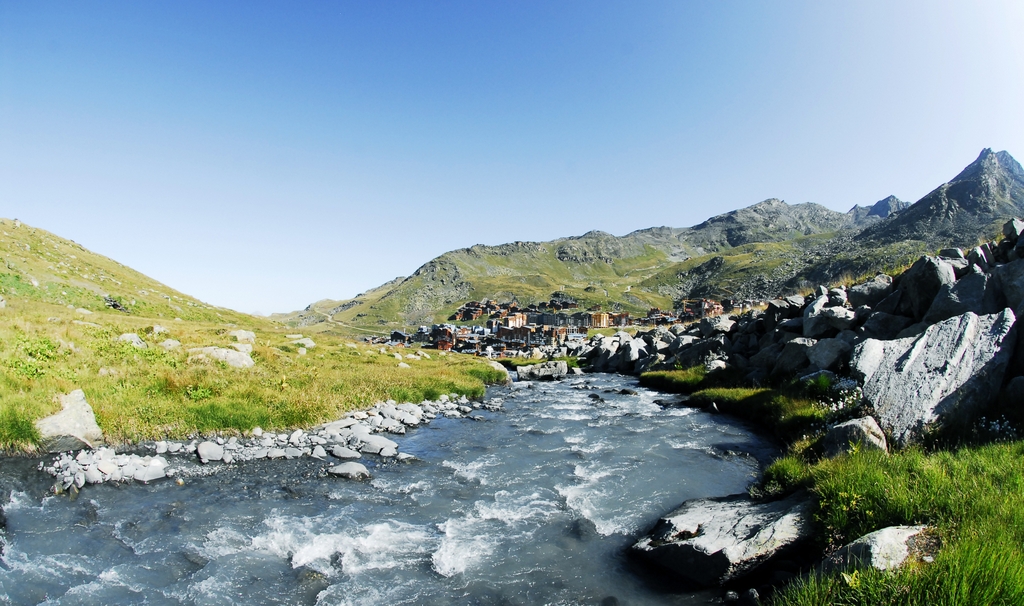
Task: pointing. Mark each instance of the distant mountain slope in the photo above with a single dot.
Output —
(970, 206)
(753, 252)
(37, 266)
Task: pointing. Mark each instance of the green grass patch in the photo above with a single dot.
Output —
(971, 496)
(790, 415)
(675, 381)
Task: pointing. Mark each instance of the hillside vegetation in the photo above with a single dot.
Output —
(58, 333)
(757, 252)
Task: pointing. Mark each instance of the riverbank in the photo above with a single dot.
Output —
(536, 502)
(153, 379)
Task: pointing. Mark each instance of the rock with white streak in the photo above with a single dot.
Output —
(73, 428)
(945, 375)
(712, 541)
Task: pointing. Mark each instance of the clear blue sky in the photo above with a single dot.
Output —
(261, 156)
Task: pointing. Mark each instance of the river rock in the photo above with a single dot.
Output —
(861, 433)
(545, 371)
(345, 453)
(885, 549)
(712, 541)
(73, 428)
(374, 444)
(350, 470)
(944, 375)
(209, 451)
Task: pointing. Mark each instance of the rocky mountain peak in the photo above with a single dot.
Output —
(990, 163)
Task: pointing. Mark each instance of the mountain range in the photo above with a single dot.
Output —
(755, 252)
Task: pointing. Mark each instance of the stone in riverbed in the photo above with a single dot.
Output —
(319, 452)
(713, 541)
(350, 470)
(374, 444)
(345, 453)
(210, 451)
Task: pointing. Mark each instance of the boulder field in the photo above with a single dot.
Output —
(932, 348)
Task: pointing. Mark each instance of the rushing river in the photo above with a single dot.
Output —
(534, 504)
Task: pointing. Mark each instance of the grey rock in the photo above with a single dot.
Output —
(275, 453)
(345, 453)
(319, 452)
(922, 282)
(1010, 281)
(350, 470)
(815, 323)
(374, 444)
(885, 326)
(243, 336)
(136, 342)
(713, 541)
(93, 475)
(209, 451)
(837, 297)
(885, 549)
(169, 344)
(952, 253)
(680, 343)
(828, 353)
(974, 292)
(944, 375)
(839, 318)
(793, 356)
(73, 428)
(546, 371)
(716, 325)
(304, 342)
(856, 433)
(292, 453)
(703, 352)
(231, 357)
(148, 473)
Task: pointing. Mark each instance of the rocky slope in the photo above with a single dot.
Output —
(753, 252)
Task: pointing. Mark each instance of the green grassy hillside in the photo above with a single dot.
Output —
(58, 334)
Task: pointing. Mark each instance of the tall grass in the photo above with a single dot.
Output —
(972, 496)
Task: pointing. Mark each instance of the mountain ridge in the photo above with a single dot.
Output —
(752, 252)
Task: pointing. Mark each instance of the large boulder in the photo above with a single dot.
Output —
(716, 325)
(861, 433)
(793, 356)
(73, 428)
(712, 541)
(547, 371)
(816, 324)
(921, 283)
(133, 339)
(974, 292)
(944, 375)
(1010, 281)
(885, 549)
(885, 326)
(828, 353)
(870, 293)
(703, 352)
